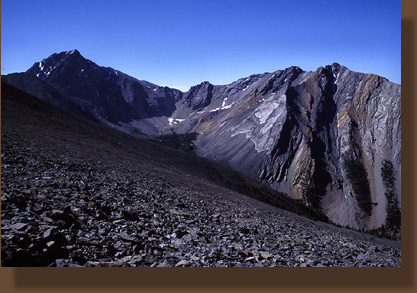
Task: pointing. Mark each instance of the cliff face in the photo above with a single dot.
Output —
(331, 138)
(323, 137)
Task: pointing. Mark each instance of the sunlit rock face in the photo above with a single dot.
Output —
(320, 136)
(331, 138)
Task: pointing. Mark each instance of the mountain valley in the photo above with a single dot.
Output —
(79, 193)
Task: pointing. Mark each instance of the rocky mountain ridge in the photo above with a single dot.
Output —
(323, 137)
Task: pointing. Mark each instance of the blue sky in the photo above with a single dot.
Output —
(181, 43)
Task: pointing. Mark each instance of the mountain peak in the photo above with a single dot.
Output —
(45, 68)
(74, 51)
(199, 96)
(336, 67)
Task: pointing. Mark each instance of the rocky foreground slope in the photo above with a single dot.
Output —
(76, 194)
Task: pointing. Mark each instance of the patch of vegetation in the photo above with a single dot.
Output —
(184, 142)
(393, 220)
(386, 232)
(358, 177)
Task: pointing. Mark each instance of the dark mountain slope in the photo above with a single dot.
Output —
(75, 192)
(46, 92)
(108, 95)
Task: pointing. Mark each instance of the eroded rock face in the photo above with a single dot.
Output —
(320, 136)
(199, 96)
(331, 137)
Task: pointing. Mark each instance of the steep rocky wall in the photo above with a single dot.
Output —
(321, 137)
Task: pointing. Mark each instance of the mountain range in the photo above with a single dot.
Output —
(330, 138)
(77, 193)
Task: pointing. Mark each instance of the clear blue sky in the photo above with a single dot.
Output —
(180, 43)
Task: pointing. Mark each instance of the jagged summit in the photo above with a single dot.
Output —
(45, 68)
(336, 66)
(199, 96)
(75, 51)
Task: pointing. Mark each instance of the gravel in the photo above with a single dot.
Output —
(60, 210)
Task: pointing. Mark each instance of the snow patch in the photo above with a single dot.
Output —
(224, 102)
(335, 81)
(335, 77)
(174, 121)
(223, 107)
(215, 110)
